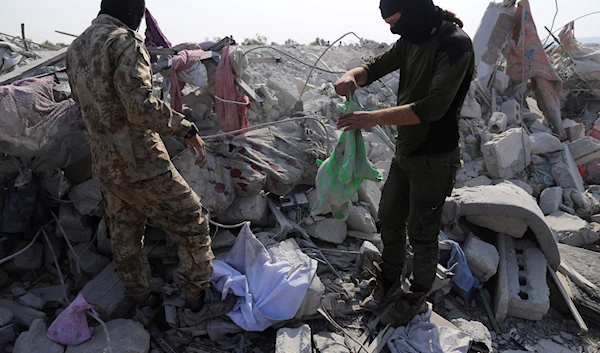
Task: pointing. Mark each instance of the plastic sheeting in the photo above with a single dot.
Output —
(270, 288)
(43, 133)
(276, 158)
(9, 57)
(586, 57)
(71, 326)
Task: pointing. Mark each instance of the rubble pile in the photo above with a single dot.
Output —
(524, 212)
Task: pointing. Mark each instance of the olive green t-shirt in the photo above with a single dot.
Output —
(435, 77)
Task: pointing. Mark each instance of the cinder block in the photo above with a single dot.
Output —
(482, 258)
(529, 295)
(294, 340)
(507, 154)
(501, 298)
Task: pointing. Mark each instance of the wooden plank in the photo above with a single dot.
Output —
(582, 326)
(48, 59)
(579, 280)
(248, 90)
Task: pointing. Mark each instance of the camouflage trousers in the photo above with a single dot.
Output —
(411, 204)
(168, 200)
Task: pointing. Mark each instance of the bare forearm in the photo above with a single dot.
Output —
(402, 115)
(360, 75)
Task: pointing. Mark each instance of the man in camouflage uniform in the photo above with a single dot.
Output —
(111, 80)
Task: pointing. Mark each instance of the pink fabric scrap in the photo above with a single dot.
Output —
(71, 326)
(232, 116)
(182, 61)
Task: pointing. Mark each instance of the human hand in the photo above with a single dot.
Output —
(346, 85)
(357, 121)
(196, 145)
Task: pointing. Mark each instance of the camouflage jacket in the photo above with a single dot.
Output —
(111, 80)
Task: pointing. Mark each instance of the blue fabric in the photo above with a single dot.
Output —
(463, 278)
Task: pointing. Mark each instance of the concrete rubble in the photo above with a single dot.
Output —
(526, 203)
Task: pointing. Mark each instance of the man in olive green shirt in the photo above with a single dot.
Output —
(436, 62)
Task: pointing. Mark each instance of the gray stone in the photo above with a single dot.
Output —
(482, 258)
(550, 200)
(312, 300)
(254, 209)
(566, 174)
(31, 259)
(523, 185)
(73, 225)
(501, 299)
(285, 90)
(329, 229)
(498, 123)
(595, 218)
(548, 346)
(514, 227)
(360, 219)
(32, 301)
(90, 262)
(327, 342)
(529, 295)
(22, 314)
(542, 143)
(52, 293)
(6, 317)
(572, 230)
(566, 336)
(504, 199)
(369, 192)
(7, 334)
(86, 198)
(455, 314)
(585, 150)
(107, 294)
(294, 340)
(538, 126)
(479, 181)
(126, 336)
(507, 154)
(35, 340)
(223, 239)
(575, 132)
(478, 332)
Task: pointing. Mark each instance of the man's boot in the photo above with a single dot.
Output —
(400, 310)
(147, 308)
(211, 305)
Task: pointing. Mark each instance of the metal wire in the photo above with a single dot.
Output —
(293, 58)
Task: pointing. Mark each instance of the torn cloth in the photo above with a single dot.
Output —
(270, 287)
(463, 277)
(232, 116)
(155, 37)
(182, 62)
(423, 336)
(527, 59)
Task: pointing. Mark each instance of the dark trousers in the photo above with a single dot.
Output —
(412, 202)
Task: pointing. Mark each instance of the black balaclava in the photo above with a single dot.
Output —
(420, 20)
(129, 12)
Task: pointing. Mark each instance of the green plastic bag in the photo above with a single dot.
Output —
(340, 176)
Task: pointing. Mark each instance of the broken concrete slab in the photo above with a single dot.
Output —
(482, 258)
(35, 340)
(551, 199)
(106, 292)
(330, 230)
(575, 132)
(514, 227)
(547, 346)
(86, 198)
(565, 172)
(73, 225)
(507, 154)
(572, 230)
(478, 332)
(479, 181)
(498, 123)
(508, 200)
(7, 335)
(32, 301)
(360, 220)
(370, 193)
(30, 259)
(501, 299)
(6, 317)
(125, 336)
(312, 300)
(254, 209)
(529, 295)
(294, 340)
(52, 293)
(542, 143)
(327, 342)
(285, 90)
(585, 150)
(523, 185)
(22, 314)
(90, 261)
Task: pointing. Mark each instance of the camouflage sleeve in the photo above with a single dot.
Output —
(133, 83)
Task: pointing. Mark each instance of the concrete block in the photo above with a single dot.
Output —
(482, 258)
(52, 293)
(294, 340)
(327, 342)
(501, 82)
(29, 260)
(498, 123)
(86, 198)
(35, 340)
(575, 132)
(514, 227)
(529, 295)
(542, 143)
(360, 219)
(547, 346)
(330, 230)
(107, 293)
(312, 300)
(508, 200)
(6, 317)
(550, 200)
(285, 90)
(90, 261)
(252, 208)
(471, 108)
(478, 332)
(538, 126)
(507, 154)
(22, 314)
(479, 181)
(512, 109)
(370, 193)
(32, 301)
(125, 336)
(572, 230)
(523, 185)
(501, 299)
(585, 150)
(566, 174)
(73, 225)
(7, 335)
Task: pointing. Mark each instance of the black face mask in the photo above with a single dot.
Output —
(420, 19)
(130, 12)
